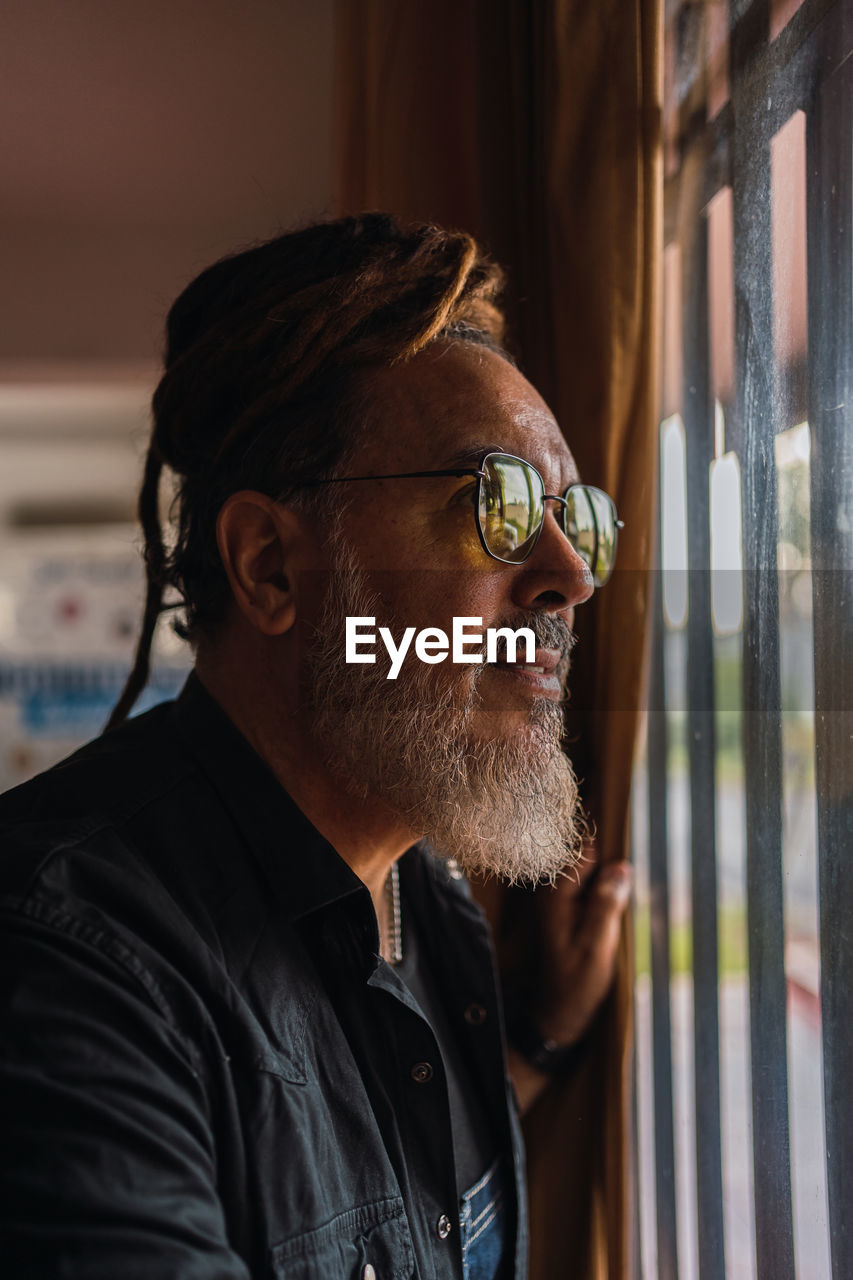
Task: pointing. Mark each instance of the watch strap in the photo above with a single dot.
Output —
(545, 1055)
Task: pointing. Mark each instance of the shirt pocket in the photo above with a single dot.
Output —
(340, 1249)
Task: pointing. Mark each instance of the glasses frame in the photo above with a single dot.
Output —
(480, 473)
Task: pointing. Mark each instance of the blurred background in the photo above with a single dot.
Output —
(669, 184)
(139, 143)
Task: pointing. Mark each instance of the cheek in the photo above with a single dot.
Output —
(385, 537)
(404, 537)
(432, 597)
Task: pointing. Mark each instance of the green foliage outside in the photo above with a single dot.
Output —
(731, 942)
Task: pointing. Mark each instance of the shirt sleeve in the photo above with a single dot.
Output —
(107, 1164)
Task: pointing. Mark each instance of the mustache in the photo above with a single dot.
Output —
(550, 631)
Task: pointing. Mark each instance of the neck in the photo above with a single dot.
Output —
(363, 830)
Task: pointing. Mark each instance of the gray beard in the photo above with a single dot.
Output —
(503, 806)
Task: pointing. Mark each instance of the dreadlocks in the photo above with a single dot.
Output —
(262, 386)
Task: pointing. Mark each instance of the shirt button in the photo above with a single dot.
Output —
(421, 1072)
(476, 1015)
(443, 1227)
(368, 1273)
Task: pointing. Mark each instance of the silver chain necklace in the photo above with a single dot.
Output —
(392, 889)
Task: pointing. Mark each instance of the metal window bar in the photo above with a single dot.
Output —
(829, 218)
(667, 1250)
(698, 416)
(762, 711)
(808, 67)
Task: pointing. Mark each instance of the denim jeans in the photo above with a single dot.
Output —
(483, 1224)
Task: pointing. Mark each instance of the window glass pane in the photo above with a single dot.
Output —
(757, 384)
(802, 947)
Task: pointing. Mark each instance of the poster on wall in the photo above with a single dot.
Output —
(70, 607)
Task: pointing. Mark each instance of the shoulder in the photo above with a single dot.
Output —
(126, 849)
(89, 800)
(122, 872)
(110, 771)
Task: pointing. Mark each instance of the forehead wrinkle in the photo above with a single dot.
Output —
(420, 424)
(430, 409)
(552, 457)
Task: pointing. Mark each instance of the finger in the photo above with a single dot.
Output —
(600, 921)
(583, 970)
(559, 906)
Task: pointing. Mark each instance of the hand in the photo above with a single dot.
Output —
(579, 925)
(580, 922)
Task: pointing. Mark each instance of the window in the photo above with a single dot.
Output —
(743, 813)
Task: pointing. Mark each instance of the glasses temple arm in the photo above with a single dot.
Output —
(396, 475)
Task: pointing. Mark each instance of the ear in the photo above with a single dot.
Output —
(258, 540)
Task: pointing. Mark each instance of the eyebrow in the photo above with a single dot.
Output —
(470, 455)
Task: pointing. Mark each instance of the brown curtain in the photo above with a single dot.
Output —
(535, 124)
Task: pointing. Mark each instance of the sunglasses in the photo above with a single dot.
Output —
(510, 511)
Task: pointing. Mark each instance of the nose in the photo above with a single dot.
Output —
(556, 577)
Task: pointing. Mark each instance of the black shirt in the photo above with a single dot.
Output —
(207, 1071)
(473, 1142)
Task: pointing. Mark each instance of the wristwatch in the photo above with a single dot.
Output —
(545, 1055)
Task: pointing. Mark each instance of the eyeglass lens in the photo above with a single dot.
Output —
(512, 509)
(589, 520)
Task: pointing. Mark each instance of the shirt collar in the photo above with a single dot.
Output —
(305, 871)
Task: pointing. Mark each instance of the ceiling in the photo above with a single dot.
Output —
(139, 141)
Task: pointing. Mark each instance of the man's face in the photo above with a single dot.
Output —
(470, 754)
(417, 539)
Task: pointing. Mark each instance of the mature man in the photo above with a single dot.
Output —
(251, 1022)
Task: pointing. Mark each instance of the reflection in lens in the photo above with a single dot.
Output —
(605, 521)
(511, 507)
(590, 525)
